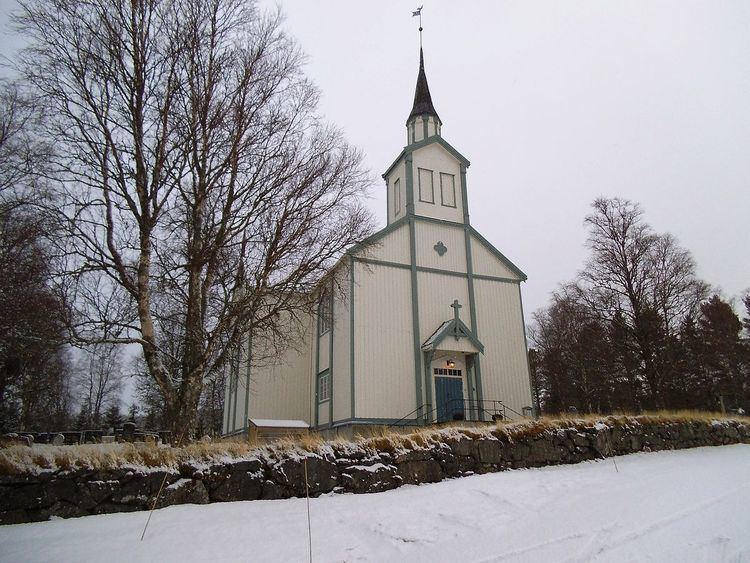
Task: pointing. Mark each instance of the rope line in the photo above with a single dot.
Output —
(161, 488)
(307, 496)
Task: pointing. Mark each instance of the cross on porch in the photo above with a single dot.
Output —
(456, 306)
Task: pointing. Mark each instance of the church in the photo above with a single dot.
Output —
(422, 323)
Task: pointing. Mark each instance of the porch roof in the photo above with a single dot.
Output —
(455, 328)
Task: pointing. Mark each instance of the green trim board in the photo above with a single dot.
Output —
(526, 355)
(225, 414)
(446, 222)
(388, 202)
(438, 271)
(236, 370)
(415, 319)
(316, 402)
(470, 278)
(496, 278)
(470, 383)
(409, 184)
(247, 377)
(375, 421)
(330, 352)
(427, 356)
(464, 194)
(423, 143)
(351, 332)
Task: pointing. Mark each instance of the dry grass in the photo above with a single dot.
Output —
(22, 459)
(17, 459)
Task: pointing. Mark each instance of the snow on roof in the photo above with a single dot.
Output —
(272, 423)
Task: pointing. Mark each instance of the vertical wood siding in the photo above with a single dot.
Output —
(393, 247)
(323, 363)
(434, 157)
(505, 373)
(396, 174)
(488, 264)
(341, 349)
(436, 293)
(383, 352)
(428, 234)
(282, 389)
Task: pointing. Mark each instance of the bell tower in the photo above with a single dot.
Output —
(428, 178)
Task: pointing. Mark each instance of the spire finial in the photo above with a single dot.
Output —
(418, 12)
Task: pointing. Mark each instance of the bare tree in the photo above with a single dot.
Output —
(643, 278)
(572, 361)
(34, 366)
(100, 377)
(34, 361)
(202, 192)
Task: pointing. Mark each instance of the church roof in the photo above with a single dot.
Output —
(422, 99)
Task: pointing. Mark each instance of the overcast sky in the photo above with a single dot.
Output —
(554, 103)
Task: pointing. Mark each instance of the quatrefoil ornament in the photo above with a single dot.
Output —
(440, 248)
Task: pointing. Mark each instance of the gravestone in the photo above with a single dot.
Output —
(128, 431)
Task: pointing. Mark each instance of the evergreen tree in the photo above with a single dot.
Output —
(723, 353)
(82, 420)
(133, 413)
(112, 417)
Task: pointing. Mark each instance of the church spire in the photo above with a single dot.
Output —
(423, 121)
(422, 99)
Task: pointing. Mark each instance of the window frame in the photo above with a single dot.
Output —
(325, 313)
(397, 196)
(432, 184)
(324, 376)
(453, 188)
(447, 372)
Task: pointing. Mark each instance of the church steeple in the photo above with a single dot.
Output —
(422, 99)
(423, 121)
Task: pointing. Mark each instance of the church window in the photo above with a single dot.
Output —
(447, 372)
(448, 189)
(325, 318)
(397, 196)
(324, 386)
(426, 189)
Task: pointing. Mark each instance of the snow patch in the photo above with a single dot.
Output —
(650, 509)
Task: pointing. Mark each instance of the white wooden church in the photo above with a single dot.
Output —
(429, 327)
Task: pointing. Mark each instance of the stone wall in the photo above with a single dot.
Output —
(369, 466)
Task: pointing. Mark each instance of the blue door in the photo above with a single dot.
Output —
(449, 393)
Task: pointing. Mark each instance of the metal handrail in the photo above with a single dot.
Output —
(491, 407)
(406, 416)
(474, 407)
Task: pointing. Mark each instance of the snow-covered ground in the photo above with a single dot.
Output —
(689, 505)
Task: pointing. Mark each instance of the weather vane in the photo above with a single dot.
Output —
(418, 12)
